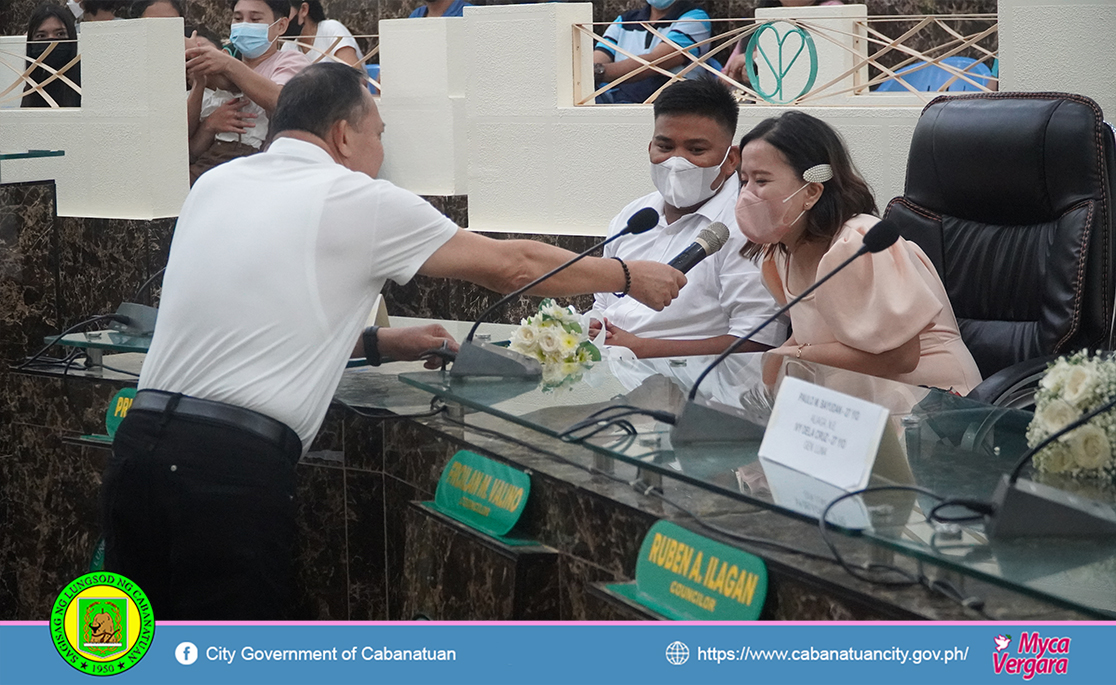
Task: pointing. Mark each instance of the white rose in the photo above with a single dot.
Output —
(1089, 447)
(1053, 459)
(1055, 414)
(1080, 383)
(549, 341)
(1055, 378)
(525, 340)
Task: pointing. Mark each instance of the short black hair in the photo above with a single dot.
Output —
(316, 14)
(706, 97)
(280, 9)
(140, 6)
(95, 6)
(318, 97)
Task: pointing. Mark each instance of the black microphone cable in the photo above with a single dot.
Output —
(33, 358)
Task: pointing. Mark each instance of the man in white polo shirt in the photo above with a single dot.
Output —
(693, 166)
(275, 264)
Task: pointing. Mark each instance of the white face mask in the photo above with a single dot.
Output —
(75, 9)
(685, 184)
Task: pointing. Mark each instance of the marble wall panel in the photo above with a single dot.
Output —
(28, 302)
(451, 572)
(363, 443)
(50, 495)
(416, 455)
(397, 497)
(321, 565)
(366, 532)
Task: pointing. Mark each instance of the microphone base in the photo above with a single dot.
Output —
(700, 424)
(1029, 509)
(142, 319)
(486, 359)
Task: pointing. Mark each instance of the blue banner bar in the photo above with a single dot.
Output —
(646, 653)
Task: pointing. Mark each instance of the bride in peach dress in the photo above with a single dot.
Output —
(804, 210)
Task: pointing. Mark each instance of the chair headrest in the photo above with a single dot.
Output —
(1007, 158)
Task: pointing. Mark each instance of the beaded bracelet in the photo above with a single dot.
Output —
(627, 278)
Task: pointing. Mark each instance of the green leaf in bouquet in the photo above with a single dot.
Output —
(589, 347)
(572, 327)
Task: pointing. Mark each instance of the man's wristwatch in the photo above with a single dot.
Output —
(372, 345)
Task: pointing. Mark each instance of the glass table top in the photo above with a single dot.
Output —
(952, 446)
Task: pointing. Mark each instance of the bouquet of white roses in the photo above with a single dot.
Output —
(1072, 387)
(558, 338)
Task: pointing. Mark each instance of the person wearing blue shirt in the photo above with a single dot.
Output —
(682, 22)
(440, 8)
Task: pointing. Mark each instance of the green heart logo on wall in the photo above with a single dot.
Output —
(781, 67)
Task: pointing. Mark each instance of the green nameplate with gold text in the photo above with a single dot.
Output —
(687, 577)
(482, 493)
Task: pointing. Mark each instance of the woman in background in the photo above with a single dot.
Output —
(804, 210)
(317, 36)
(52, 23)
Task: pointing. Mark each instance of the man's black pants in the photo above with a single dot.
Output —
(201, 516)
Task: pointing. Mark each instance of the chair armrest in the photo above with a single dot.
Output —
(1014, 386)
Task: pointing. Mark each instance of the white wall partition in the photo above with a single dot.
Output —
(423, 104)
(126, 149)
(1060, 45)
(538, 164)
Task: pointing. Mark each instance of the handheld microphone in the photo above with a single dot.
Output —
(880, 237)
(711, 239)
(489, 360)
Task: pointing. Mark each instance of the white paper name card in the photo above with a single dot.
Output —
(824, 433)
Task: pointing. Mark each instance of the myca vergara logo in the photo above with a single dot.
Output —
(102, 624)
(1037, 655)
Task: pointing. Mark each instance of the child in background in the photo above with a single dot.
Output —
(224, 124)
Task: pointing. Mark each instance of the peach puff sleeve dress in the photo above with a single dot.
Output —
(879, 302)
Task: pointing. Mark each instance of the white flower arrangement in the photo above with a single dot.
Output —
(558, 338)
(1072, 387)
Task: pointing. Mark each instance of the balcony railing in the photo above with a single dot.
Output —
(373, 41)
(28, 77)
(862, 56)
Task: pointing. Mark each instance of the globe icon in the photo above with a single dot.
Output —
(677, 653)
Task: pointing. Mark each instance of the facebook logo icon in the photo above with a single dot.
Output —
(186, 653)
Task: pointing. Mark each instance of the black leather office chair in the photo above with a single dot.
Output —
(1011, 196)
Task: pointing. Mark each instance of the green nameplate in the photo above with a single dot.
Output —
(118, 409)
(482, 493)
(687, 577)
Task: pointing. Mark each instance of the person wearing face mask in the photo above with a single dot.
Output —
(277, 260)
(318, 36)
(682, 22)
(804, 210)
(51, 23)
(693, 164)
(257, 25)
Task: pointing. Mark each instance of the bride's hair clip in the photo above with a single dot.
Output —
(819, 173)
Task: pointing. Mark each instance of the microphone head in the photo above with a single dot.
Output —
(881, 236)
(714, 236)
(642, 221)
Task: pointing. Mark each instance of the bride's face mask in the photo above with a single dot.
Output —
(772, 200)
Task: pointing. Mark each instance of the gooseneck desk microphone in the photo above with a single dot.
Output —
(486, 359)
(698, 423)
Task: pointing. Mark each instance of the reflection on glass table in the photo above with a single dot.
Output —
(950, 445)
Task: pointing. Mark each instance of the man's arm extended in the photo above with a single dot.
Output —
(207, 59)
(505, 265)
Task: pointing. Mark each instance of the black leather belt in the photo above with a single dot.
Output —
(264, 427)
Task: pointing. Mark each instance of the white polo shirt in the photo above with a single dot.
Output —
(276, 261)
(724, 294)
